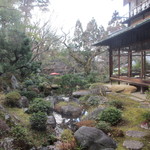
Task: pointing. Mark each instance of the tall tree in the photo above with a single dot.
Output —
(115, 23)
(15, 46)
(44, 39)
(81, 48)
(27, 6)
(15, 52)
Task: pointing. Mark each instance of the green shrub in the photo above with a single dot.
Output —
(40, 104)
(38, 121)
(28, 82)
(83, 99)
(70, 82)
(92, 78)
(104, 126)
(19, 133)
(146, 116)
(117, 104)
(98, 89)
(36, 80)
(67, 135)
(12, 98)
(21, 140)
(29, 94)
(111, 115)
(51, 139)
(93, 101)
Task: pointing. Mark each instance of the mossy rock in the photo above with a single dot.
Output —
(12, 99)
(68, 109)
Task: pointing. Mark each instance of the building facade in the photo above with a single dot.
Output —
(129, 48)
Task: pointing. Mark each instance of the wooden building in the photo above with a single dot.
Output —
(130, 46)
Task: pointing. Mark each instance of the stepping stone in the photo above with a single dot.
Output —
(133, 145)
(137, 134)
(136, 99)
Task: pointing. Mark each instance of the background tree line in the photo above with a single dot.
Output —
(26, 46)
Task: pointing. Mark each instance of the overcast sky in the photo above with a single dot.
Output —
(66, 12)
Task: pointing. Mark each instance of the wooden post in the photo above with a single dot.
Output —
(142, 68)
(119, 64)
(129, 63)
(144, 65)
(110, 63)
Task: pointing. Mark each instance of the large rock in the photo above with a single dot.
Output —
(14, 82)
(80, 93)
(2, 108)
(51, 122)
(93, 114)
(99, 89)
(72, 111)
(96, 100)
(122, 88)
(55, 99)
(94, 139)
(23, 102)
(7, 144)
(69, 109)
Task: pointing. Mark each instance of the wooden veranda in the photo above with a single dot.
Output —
(126, 47)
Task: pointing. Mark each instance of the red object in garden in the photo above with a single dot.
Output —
(54, 73)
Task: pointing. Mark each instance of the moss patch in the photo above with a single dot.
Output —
(60, 104)
(132, 116)
(19, 113)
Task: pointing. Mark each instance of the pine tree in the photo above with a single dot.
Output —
(81, 47)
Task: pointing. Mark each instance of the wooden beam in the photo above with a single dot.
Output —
(129, 63)
(142, 65)
(119, 64)
(110, 62)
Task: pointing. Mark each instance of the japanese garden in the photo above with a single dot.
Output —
(84, 90)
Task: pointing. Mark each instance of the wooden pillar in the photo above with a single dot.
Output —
(142, 64)
(119, 64)
(143, 67)
(129, 63)
(110, 62)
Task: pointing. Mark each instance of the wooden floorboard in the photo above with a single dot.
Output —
(135, 81)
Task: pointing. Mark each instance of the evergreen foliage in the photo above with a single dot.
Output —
(12, 99)
(111, 115)
(15, 53)
(38, 121)
(146, 116)
(39, 104)
(69, 82)
(29, 94)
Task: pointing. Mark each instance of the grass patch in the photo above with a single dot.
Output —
(132, 116)
(37, 138)
(60, 104)
(19, 113)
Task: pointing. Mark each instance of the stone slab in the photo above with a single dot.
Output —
(137, 134)
(133, 145)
